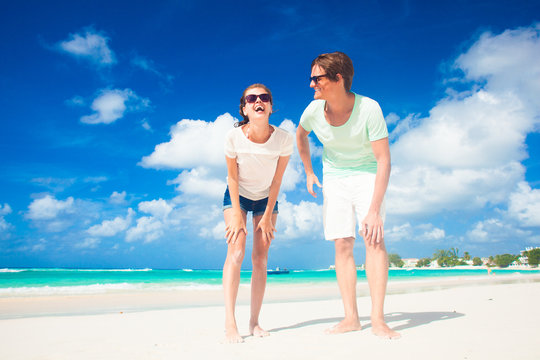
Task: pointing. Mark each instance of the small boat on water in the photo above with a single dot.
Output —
(277, 271)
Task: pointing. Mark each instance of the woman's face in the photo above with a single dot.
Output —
(258, 109)
(322, 86)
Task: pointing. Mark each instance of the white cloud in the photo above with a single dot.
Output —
(118, 198)
(112, 227)
(419, 233)
(47, 208)
(398, 232)
(88, 243)
(146, 125)
(498, 230)
(39, 246)
(148, 228)
(157, 208)
(467, 153)
(111, 105)
(525, 205)
(52, 215)
(5, 209)
(295, 169)
(54, 184)
(197, 182)
(302, 220)
(95, 179)
(508, 62)
(391, 118)
(217, 232)
(149, 65)
(403, 125)
(91, 46)
(467, 133)
(426, 190)
(193, 143)
(4, 225)
(76, 101)
(433, 234)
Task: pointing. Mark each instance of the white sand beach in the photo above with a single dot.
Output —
(487, 318)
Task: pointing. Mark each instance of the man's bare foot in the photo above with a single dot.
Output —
(382, 330)
(344, 326)
(257, 331)
(232, 336)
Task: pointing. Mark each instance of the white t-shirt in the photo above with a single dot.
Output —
(257, 162)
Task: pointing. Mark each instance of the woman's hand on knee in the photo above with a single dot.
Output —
(234, 228)
(267, 228)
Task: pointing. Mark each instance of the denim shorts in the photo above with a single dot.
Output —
(256, 206)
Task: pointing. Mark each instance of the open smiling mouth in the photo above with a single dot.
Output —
(259, 108)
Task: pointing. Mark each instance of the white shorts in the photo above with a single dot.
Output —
(346, 202)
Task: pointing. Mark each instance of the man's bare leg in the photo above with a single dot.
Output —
(377, 275)
(346, 278)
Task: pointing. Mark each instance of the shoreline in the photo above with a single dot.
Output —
(131, 301)
(331, 267)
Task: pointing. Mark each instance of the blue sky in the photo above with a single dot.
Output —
(114, 113)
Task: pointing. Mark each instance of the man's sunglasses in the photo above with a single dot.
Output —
(316, 79)
(252, 98)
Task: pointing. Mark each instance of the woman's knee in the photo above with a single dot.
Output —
(259, 259)
(236, 256)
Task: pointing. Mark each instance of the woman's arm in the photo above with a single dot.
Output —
(372, 226)
(237, 224)
(302, 143)
(265, 224)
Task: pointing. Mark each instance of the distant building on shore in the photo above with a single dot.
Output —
(523, 259)
(409, 263)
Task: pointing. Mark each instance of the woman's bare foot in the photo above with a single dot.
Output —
(382, 330)
(232, 336)
(256, 330)
(344, 326)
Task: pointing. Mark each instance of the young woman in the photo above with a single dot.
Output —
(356, 169)
(257, 154)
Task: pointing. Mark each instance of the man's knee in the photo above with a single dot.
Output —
(344, 247)
(375, 248)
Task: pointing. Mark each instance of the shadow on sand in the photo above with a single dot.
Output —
(410, 320)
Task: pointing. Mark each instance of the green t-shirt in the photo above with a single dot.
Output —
(347, 148)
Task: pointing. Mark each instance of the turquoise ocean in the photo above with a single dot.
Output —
(42, 282)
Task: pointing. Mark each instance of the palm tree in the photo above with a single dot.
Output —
(442, 257)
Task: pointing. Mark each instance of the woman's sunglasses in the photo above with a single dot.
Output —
(252, 98)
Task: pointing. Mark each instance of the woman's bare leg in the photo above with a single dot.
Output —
(259, 258)
(231, 280)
